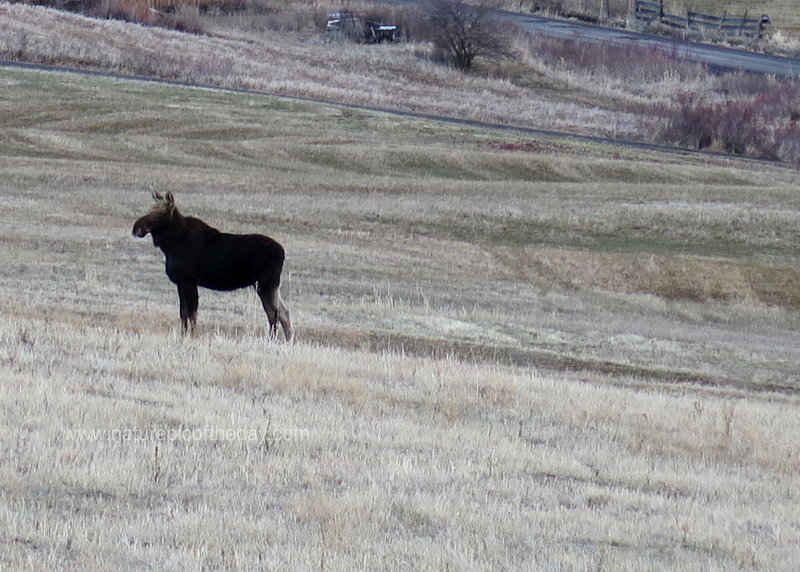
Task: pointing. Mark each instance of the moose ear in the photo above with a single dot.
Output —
(156, 195)
(170, 199)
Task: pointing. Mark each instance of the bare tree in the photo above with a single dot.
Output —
(463, 32)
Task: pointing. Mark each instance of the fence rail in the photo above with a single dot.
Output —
(701, 23)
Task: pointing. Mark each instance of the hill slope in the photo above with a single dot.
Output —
(648, 299)
(290, 64)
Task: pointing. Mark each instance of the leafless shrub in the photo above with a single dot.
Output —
(782, 143)
(736, 126)
(687, 122)
(693, 121)
(764, 124)
(462, 32)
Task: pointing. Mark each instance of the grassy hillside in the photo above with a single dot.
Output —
(247, 53)
(607, 90)
(513, 352)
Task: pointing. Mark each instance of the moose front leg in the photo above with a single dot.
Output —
(187, 292)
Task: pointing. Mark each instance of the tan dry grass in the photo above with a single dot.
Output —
(139, 451)
(636, 431)
(671, 277)
(276, 63)
(400, 76)
(549, 84)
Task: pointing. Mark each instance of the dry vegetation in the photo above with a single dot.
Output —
(622, 92)
(513, 352)
(255, 56)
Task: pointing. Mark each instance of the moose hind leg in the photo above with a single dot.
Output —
(272, 313)
(283, 316)
(189, 302)
(276, 311)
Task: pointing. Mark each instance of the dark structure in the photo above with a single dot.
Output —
(361, 29)
(199, 255)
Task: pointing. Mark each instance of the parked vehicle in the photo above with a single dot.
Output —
(360, 29)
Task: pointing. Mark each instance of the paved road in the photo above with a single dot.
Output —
(715, 56)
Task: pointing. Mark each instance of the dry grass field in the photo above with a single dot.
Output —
(620, 92)
(247, 53)
(512, 352)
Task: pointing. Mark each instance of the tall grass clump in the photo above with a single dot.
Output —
(581, 9)
(181, 16)
(134, 11)
(635, 75)
(625, 62)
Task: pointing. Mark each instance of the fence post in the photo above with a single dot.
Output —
(744, 21)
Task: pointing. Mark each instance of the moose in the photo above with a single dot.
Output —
(200, 255)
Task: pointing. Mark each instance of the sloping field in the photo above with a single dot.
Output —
(513, 352)
(300, 65)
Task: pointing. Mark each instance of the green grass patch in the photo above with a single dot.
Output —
(534, 170)
(427, 165)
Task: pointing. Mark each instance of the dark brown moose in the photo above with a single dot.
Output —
(199, 255)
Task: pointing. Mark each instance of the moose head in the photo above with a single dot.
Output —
(162, 216)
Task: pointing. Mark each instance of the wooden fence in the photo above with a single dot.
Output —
(702, 23)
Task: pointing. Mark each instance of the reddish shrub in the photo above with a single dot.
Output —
(688, 122)
(735, 125)
(764, 124)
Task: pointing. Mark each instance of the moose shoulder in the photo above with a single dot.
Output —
(200, 255)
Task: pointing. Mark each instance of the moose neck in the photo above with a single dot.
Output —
(170, 237)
